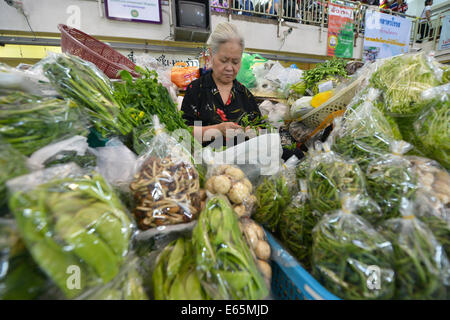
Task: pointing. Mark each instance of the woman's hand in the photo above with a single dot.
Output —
(224, 126)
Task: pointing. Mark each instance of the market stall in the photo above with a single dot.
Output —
(96, 178)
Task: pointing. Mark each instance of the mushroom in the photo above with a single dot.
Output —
(262, 250)
(209, 185)
(238, 193)
(248, 184)
(240, 210)
(265, 269)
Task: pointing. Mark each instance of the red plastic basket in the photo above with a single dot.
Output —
(78, 43)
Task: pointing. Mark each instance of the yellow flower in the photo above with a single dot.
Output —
(141, 114)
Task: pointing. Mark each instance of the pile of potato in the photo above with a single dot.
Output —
(232, 182)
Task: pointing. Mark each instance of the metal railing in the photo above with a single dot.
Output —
(315, 12)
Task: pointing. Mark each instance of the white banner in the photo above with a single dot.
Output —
(444, 42)
(385, 35)
(134, 10)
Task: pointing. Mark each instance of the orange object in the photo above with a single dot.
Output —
(182, 75)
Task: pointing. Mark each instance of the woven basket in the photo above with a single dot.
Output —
(338, 102)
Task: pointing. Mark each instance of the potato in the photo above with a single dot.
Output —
(262, 250)
(265, 269)
(235, 173)
(221, 169)
(222, 184)
(259, 231)
(251, 236)
(238, 193)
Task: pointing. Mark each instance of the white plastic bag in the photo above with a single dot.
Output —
(76, 143)
(284, 77)
(116, 163)
(263, 152)
(276, 112)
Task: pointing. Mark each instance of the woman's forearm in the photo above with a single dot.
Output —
(199, 132)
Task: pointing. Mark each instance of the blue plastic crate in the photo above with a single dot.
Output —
(290, 281)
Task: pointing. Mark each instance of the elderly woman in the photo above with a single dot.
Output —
(217, 99)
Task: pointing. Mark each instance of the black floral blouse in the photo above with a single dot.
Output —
(202, 102)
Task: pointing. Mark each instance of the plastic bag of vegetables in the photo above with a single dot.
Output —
(390, 179)
(432, 132)
(29, 123)
(12, 164)
(166, 186)
(72, 223)
(21, 278)
(232, 182)
(82, 81)
(225, 264)
(296, 225)
(127, 285)
(330, 175)
(346, 253)
(364, 132)
(403, 78)
(257, 241)
(274, 194)
(421, 266)
(175, 276)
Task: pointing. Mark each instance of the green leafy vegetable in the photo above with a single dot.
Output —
(224, 262)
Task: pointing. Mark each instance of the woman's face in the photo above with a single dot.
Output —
(226, 62)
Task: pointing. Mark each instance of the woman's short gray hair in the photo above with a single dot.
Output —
(225, 32)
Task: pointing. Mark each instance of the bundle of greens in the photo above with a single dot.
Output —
(29, 123)
(329, 70)
(432, 129)
(274, 194)
(273, 197)
(330, 175)
(72, 221)
(390, 179)
(175, 277)
(225, 264)
(146, 95)
(345, 250)
(296, 225)
(83, 82)
(364, 132)
(402, 79)
(421, 266)
(12, 164)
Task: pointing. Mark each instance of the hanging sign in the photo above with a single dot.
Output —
(340, 31)
(134, 10)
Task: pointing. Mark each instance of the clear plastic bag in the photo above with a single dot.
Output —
(232, 182)
(300, 132)
(328, 176)
(127, 285)
(431, 130)
(83, 82)
(29, 123)
(301, 107)
(166, 186)
(296, 225)
(390, 179)
(175, 276)
(421, 266)
(257, 241)
(224, 261)
(74, 149)
(364, 132)
(73, 225)
(276, 113)
(274, 194)
(350, 258)
(12, 164)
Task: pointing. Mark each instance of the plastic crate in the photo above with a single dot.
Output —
(108, 60)
(290, 281)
